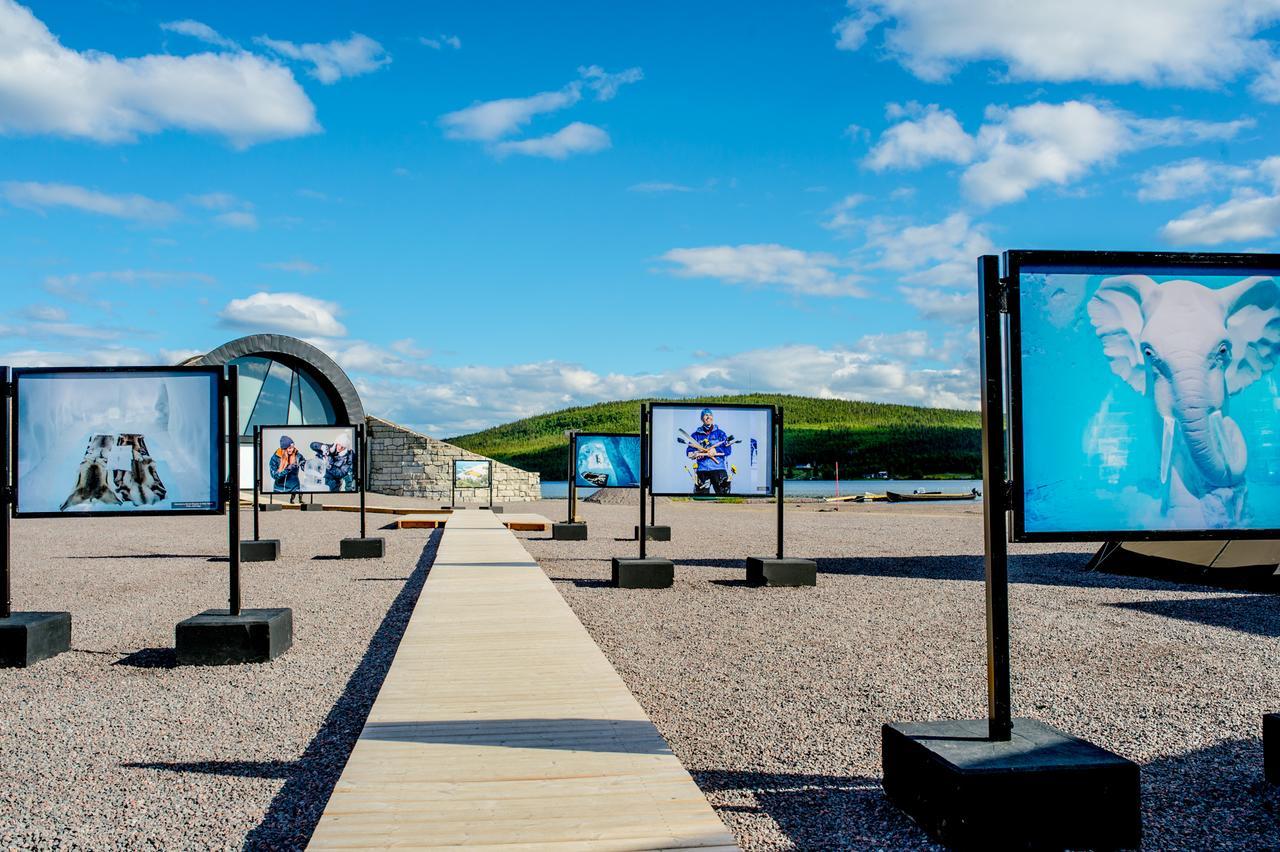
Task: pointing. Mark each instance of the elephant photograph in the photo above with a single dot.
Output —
(1149, 401)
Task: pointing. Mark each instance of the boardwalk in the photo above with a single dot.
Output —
(501, 725)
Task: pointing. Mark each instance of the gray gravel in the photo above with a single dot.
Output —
(773, 698)
(111, 746)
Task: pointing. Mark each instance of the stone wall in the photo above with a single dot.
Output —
(407, 464)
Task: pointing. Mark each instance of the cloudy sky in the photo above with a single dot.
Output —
(489, 210)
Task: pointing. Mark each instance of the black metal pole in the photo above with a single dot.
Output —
(994, 508)
(779, 474)
(233, 486)
(6, 486)
(645, 471)
(257, 466)
(573, 477)
(362, 470)
(490, 485)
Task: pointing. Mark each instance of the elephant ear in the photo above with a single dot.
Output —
(1253, 327)
(1116, 313)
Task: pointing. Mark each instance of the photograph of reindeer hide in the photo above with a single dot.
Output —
(1149, 401)
(117, 442)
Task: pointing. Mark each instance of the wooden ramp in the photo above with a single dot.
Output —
(502, 726)
(525, 522)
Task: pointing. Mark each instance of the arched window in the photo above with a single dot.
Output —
(274, 393)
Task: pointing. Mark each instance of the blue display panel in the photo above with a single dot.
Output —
(606, 460)
(1144, 399)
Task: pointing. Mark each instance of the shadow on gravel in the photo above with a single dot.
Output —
(148, 556)
(820, 811)
(1213, 797)
(581, 583)
(612, 736)
(295, 810)
(1255, 614)
(1039, 569)
(231, 768)
(150, 658)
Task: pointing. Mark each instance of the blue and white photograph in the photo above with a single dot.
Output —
(712, 451)
(607, 461)
(308, 460)
(117, 442)
(1149, 401)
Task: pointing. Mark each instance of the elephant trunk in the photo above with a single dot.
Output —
(1214, 441)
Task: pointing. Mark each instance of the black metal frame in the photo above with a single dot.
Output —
(1099, 262)
(220, 463)
(573, 455)
(453, 480)
(646, 460)
(259, 453)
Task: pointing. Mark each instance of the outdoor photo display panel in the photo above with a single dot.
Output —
(471, 474)
(1143, 396)
(309, 460)
(711, 450)
(124, 441)
(606, 461)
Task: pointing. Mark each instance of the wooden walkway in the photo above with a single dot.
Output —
(501, 725)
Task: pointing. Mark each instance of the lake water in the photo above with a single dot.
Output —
(821, 487)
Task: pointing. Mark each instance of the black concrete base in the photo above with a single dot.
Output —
(26, 638)
(1271, 747)
(362, 548)
(270, 507)
(576, 531)
(766, 571)
(652, 533)
(312, 507)
(1043, 789)
(215, 638)
(643, 573)
(497, 510)
(262, 550)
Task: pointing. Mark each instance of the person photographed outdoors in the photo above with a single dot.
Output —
(285, 464)
(710, 456)
(339, 463)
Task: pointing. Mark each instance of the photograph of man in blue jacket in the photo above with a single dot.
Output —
(710, 456)
(339, 465)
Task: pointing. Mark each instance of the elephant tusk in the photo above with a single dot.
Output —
(1166, 449)
(1227, 435)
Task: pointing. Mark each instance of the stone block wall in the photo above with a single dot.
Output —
(407, 464)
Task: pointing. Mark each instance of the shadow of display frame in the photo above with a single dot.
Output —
(218, 425)
(357, 457)
(775, 461)
(1023, 262)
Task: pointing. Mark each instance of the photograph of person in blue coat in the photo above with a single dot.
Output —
(709, 451)
(285, 466)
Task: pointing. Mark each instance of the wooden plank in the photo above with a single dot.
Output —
(420, 522)
(501, 725)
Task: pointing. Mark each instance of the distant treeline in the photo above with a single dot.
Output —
(905, 441)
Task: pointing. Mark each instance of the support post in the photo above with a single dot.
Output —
(6, 497)
(573, 477)
(257, 449)
(362, 471)
(231, 395)
(645, 472)
(778, 476)
(994, 505)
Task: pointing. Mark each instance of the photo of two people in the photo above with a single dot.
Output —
(308, 460)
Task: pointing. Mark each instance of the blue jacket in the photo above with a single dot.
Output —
(714, 438)
(285, 480)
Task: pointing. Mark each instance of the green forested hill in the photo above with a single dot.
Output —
(864, 437)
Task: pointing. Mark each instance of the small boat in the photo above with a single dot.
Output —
(930, 496)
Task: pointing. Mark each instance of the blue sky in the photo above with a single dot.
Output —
(485, 211)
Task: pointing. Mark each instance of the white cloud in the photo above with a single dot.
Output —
(333, 60)
(1199, 43)
(41, 196)
(768, 264)
(48, 88)
(841, 213)
(1187, 178)
(105, 356)
(941, 254)
(1019, 149)
(954, 306)
(492, 120)
(301, 267)
(659, 186)
(575, 138)
(201, 32)
(214, 200)
(1249, 215)
(243, 219)
(292, 313)
(442, 41)
(932, 135)
(606, 85)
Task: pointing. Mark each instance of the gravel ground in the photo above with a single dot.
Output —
(773, 698)
(110, 746)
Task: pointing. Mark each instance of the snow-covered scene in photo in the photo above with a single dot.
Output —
(117, 442)
(471, 474)
(308, 460)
